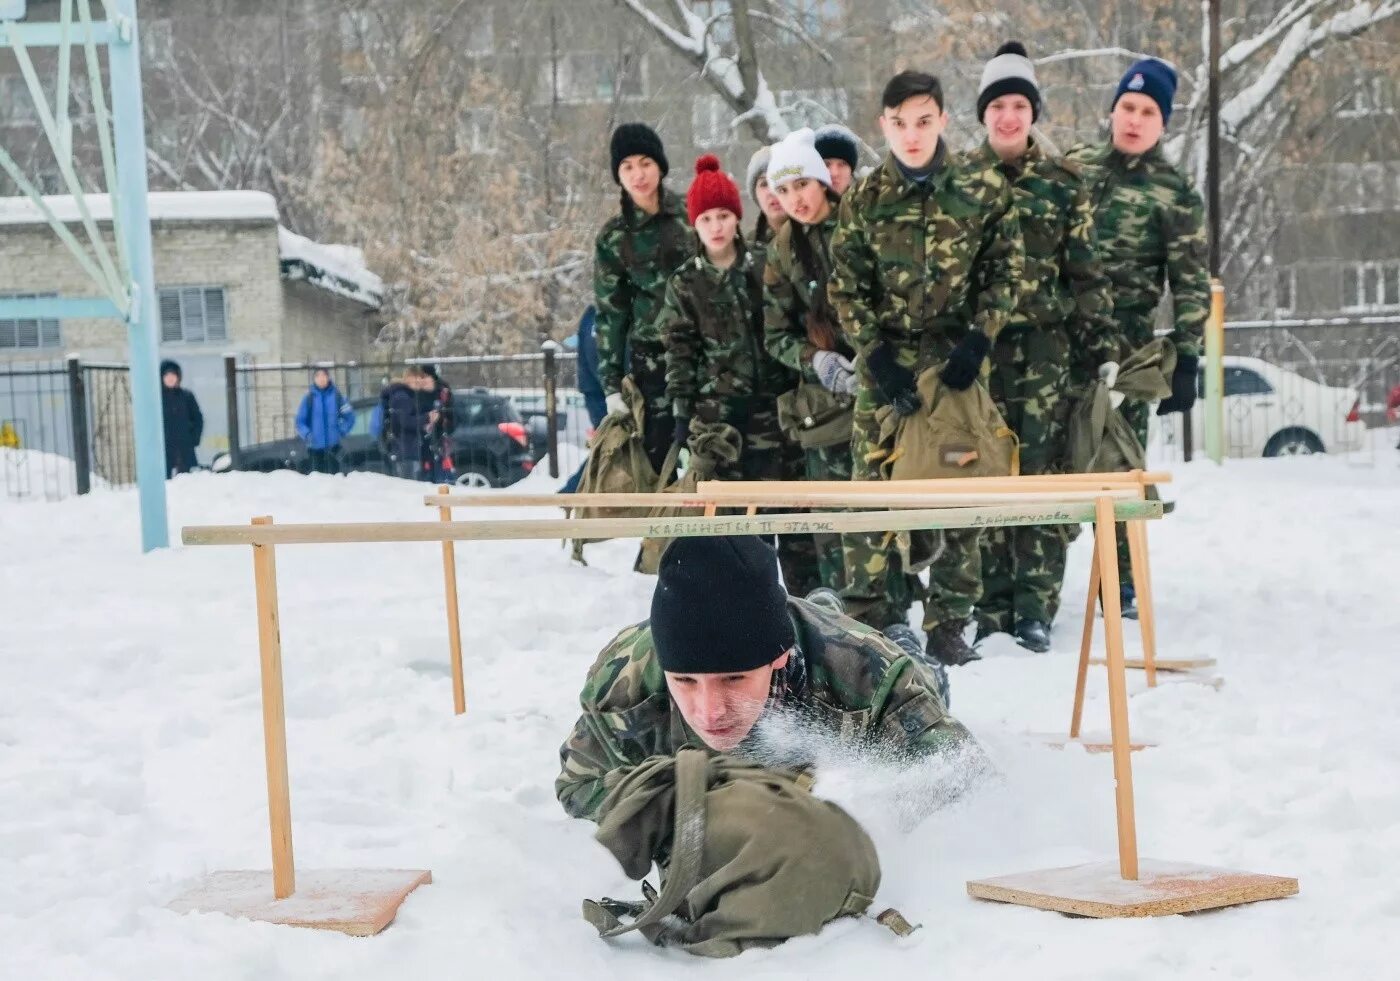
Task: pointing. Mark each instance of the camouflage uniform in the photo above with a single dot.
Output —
(915, 265)
(1059, 335)
(1151, 229)
(633, 256)
(717, 369)
(842, 676)
(789, 295)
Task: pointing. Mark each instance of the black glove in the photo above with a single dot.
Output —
(896, 382)
(682, 430)
(1183, 394)
(965, 363)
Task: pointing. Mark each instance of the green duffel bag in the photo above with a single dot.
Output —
(750, 858)
(712, 445)
(954, 434)
(1100, 440)
(814, 417)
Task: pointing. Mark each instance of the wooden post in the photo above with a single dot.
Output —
(710, 509)
(1084, 644)
(1137, 557)
(1106, 545)
(454, 624)
(279, 801)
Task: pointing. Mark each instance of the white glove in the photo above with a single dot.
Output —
(834, 371)
(1108, 374)
(616, 405)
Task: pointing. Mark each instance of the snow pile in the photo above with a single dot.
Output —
(338, 268)
(34, 475)
(132, 761)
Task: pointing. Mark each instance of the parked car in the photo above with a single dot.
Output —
(490, 446)
(1272, 411)
(575, 429)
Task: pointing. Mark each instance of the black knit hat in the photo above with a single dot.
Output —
(719, 607)
(1009, 73)
(168, 367)
(837, 142)
(630, 139)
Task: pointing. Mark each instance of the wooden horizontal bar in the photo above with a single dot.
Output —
(954, 485)
(765, 498)
(763, 524)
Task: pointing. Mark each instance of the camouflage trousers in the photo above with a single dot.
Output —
(879, 590)
(648, 371)
(829, 463)
(1023, 567)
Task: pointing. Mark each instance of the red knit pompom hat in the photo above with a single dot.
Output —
(713, 188)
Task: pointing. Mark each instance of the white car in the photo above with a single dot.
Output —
(570, 409)
(1271, 411)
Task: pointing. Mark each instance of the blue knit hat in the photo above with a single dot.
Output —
(1152, 78)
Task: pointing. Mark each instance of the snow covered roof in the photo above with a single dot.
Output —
(340, 269)
(163, 206)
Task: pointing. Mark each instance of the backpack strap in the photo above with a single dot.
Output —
(687, 849)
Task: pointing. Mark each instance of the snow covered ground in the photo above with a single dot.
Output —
(131, 754)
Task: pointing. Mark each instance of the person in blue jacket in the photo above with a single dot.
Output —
(588, 384)
(325, 416)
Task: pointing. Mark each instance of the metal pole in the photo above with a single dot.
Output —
(551, 385)
(1213, 145)
(123, 56)
(1215, 327)
(231, 407)
(77, 408)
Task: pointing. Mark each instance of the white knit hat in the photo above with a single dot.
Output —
(1009, 73)
(796, 156)
(758, 167)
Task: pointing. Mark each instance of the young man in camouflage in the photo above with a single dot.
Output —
(1151, 230)
(634, 254)
(725, 649)
(800, 327)
(927, 263)
(1059, 334)
(717, 370)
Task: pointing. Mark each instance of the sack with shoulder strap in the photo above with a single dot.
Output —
(814, 417)
(750, 858)
(712, 445)
(954, 434)
(617, 464)
(1100, 440)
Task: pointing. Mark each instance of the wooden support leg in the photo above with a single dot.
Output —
(279, 801)
(1086, 641)
(454, 624)
(710, 509)
(1105, 543)
(1137, 555)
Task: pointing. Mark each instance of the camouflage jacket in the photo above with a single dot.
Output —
(843, 675)
(711, 323)
(789, 294)
(631, 264)
(918, 264)
(1063, 281)
(1151, 229)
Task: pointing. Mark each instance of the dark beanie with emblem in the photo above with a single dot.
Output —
(719, 607)
(1010, 72)
(631, 139)
(1152, 78)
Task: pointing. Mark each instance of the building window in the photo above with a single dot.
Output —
(193, 315)
(1285, 291)
(813, 107)
(29, 334)
(1371, 286)
(595, 77)
(16, 104)
(1374, 96)
(710, 121)
(476, 132)
(157, 44)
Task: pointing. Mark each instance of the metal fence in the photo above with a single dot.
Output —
(65, 427)
(262, 399)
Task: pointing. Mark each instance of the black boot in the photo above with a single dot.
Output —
(1128, 600)
(1033, 635)
(946, 644)
(986, 626)
(906, 640)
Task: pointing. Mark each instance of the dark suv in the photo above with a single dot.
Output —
(490, 446)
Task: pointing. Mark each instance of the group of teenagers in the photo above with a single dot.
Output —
(1011, 266)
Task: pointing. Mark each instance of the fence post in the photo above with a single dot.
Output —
(551, 385)
(1214, 374)
(77, 406)
(231, 404)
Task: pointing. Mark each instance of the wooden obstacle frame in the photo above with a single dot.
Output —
(363, 901)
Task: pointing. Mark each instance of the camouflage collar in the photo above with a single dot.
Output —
(1132, 161)
(984, 155)
(743, 260)
(672, 206)
(895, 187)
